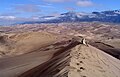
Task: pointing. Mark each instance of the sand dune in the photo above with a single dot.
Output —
(21, 43)
(77, 60)
(42, 54)
(92, 62)
(16, 65)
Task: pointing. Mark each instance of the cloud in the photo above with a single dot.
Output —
(7, 17)
(70, 8)
(85, 3)
(58, 1)
(14, 18)
(27, 8)
(54, 13)
(46, 5)
(10, 13)
(9, 20)
(81, 3)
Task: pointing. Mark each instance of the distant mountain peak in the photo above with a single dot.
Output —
(112, 16)
(69, 13)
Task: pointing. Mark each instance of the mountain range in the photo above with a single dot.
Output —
(104, 16)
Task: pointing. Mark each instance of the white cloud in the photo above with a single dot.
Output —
(46, 6)
(70, 8)
(13, 18)
(9, 13)
(58, 0)
(81, 3)
(27, 8)
(7, 17)
(55, 14)
(85, 3)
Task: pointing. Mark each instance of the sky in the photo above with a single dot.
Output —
(31, 9)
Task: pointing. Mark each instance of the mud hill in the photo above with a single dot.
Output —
(77, 60)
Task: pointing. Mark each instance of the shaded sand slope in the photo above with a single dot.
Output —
(58, 65)
(30, 46)
(107, 48)
(11, 67)
(77, 60)
(14, 66)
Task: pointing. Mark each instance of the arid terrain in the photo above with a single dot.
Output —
(57, 50)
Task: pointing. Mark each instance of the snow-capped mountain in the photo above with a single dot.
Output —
(104, 16)
(65, 17)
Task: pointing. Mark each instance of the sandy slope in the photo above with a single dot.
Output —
(11, 67)
(77, 61)
(113, 42)
(28, 48)
(92, 62)
(20, 43)
(16, 65)
(47, 55)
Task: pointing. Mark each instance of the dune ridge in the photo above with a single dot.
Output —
(77, 60)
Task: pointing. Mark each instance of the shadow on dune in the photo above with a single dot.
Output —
(107, 48)
(56, 66)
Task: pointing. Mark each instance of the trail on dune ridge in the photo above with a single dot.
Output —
(77, 60)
